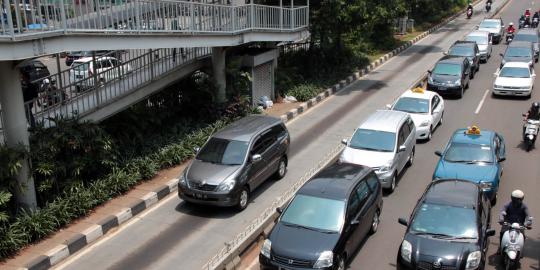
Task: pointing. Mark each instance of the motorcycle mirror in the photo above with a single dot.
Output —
(344, 141)
(279, 210)
(490, 232)
(445, 53)
(388, 106)
(501, 159)
(478, 26)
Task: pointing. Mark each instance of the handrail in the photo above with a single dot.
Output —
(129, 16)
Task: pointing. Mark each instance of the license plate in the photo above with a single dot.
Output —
(442, 88)
(200, 196)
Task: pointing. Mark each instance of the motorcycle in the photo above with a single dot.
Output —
(469, 13)
(521, 23)
(530, 132)
(509, 37)
(49, 95)
(512, 244)
(535, 22)
(488, 6)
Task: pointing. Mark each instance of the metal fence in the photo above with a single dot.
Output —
(98, 80)
(31, 17)
(255, 226)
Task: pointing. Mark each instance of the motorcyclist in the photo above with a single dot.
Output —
(470, 8)
(534, 112)
(511, 29)
(528, 12)
(515, 211)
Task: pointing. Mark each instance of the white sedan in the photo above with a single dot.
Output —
(514, 79)
(425, 107)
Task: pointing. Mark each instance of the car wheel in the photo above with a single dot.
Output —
(375, 222)
(282, 169)
(411, 158)
(341, 263)
(429, 136)
(478, 67)
(460, 94)
(494, 200)
(243, 199)
(441, 121)
(393, 183)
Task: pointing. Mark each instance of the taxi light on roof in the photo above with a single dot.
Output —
(474, 130)
(419, 90)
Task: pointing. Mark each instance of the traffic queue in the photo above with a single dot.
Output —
(329, 217)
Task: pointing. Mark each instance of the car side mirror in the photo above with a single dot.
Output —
(344, 141)
(388, 106)
(445, 53)
(490, 42)
(355, 222)
(403, 222)
(256, 158)
(279, 210)
(477, 27)
(429, 71)
(501, 159)
(477, 54)
(402, 148)
(438, 153)
(490, 232)
(197, 149)
(502, 55)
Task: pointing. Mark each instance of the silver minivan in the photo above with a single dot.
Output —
(386, 142)
(483, 40)
(236, 160)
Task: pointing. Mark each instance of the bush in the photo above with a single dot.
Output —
(304, 92)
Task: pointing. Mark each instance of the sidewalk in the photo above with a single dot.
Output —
(107, 217)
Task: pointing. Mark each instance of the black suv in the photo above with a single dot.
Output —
(451, 75)
(448, 229)
(326, 221)
(32, 71)
(467, 49)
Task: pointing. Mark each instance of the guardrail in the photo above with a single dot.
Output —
(86, 86)
(257, 226)
(141, 16)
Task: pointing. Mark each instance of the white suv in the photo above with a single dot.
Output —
(106, 68)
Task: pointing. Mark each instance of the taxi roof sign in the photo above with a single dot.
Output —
(419, 90)
(474, 130)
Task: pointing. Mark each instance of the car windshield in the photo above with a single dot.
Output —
(225, 152)
(515, 72)
(468, 153)
(461, 51)
(445, 220)
(373, 140)
(526, 37)
(489, 24)
(412, 105)
(480, 40)
(518, 52)
(447, 69)
(315, 213)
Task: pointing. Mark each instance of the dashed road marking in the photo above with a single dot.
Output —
(481, 102)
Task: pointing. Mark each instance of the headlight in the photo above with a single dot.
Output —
(429, 79)
(457, 82)
(498, 86)
(473, 261)
(182, 181)
(406, 251)
(226, 185)
(267, 246)
(326, 259)
(425, 123)
(486, 185)
(525, 87)
(385, 168)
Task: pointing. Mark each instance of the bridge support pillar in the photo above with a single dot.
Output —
(218, 68)
(15, 128)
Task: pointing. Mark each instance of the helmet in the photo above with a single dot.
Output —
(518, 194)
(511, 23)
(535, 105)
(46, 81)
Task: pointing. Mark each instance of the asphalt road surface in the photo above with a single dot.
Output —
(174, 236)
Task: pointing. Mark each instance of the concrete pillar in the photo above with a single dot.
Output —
(15, 128)
(218, 68)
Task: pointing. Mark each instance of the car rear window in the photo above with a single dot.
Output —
(461, 51)
(518, 52)
(481, 40)
(526, 37)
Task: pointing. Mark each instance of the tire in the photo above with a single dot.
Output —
(430, 135)
(494, 200)
(341, 263)
(243, 199)
(411, 158)
(282, 169)
(375, 222)
(393, 183)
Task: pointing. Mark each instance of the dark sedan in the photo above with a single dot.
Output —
(448, 229)
(451, 75)
(467, 49)
(326, 221)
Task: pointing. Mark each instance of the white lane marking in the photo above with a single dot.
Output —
(481, 102)
(71, 259)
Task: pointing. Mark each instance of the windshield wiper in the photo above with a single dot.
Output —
(307, 228)
(435, 235)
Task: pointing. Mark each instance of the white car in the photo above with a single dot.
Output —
(106, 69)
(483, 40)
(425, 107)
(514, 79)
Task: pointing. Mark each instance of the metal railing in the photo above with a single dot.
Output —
(91, 83)
(256, 225)
(31, 17)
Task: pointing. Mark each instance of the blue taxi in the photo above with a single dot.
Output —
(474, 155)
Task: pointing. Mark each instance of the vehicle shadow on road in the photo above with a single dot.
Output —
(423, 49)
(365, 85)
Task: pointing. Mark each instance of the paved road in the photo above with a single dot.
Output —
(173, 235)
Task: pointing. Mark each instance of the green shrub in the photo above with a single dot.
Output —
(304, 92)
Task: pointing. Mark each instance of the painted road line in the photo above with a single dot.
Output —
(481, 102)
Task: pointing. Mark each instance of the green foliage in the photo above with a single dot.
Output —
(304, 92)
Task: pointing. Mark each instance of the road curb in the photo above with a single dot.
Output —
(95, 232)
(305, 106)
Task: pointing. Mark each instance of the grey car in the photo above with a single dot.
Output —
(483, 40)
(235, 161)
(519, 51)
(495, 27)
(530, 35)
